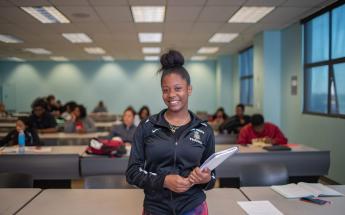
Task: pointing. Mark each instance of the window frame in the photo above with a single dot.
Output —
(329, 63)
(246, 77)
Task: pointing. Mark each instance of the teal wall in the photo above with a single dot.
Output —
(224, 83)
(321, 132)
(119, 84)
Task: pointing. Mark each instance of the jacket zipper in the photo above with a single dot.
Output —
(171, 193)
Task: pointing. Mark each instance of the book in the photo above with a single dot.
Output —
(217, 158)
(303, 189)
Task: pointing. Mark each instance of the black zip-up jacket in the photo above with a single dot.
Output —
(31, 138)
(156, 152)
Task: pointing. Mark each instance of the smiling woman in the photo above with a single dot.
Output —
(169, 147)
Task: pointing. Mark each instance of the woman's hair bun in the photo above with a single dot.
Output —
(172, 59)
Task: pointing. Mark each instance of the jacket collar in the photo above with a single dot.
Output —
(158, 119)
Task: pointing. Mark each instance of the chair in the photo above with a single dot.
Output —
(15, 180)
(263, 174)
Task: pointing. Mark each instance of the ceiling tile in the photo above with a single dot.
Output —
(177, 27)
(31, 3)
(69, 2)
(79, 13)
(4, 3)
(145, 27)
(147, 2)
(226, 2)
(206, 27)
(114, 27)
(16, 15)
(114, 14)
(264, 2)
(216, 14)
(306, 3)
(108, 2)
(187, 2)
(234, 27)
(185, 14)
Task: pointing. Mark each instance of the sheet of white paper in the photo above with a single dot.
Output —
(259, 208)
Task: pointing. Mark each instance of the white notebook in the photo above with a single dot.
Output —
(217, 158)
(303, 189)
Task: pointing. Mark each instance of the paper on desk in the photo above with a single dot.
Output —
(259, 208)
(14, 149)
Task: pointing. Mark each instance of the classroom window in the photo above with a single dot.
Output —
(324, 62)
(246, 76)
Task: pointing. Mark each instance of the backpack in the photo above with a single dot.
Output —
(112, 148)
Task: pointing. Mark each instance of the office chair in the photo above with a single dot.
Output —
(263, 174)
(15, 180)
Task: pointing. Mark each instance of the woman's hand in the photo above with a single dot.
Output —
(177, 183)
(198, 176)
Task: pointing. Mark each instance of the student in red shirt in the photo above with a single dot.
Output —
(258, 128)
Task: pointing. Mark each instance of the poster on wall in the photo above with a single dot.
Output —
(294, 85)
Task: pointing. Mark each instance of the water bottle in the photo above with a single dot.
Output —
(21, 142)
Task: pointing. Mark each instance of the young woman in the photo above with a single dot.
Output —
(31, 137)
(127, 128)
(144, 112)
(169, 147)
(79, 122)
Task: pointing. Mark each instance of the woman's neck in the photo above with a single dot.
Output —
(177, 118)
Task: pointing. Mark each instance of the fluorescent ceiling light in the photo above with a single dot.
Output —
(150, 37)
(108, 58)
(151, 50)
(208, 50)
(222, 37)
(151, 58)
(15, 59)
(94, 50)
(38, 51)
(250, 14)
(148, 13)
(59, 58)
(46, 14)
(77, 37)
(198, 58)
(9, 39)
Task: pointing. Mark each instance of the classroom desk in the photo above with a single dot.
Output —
(118, 201)
(64, 139)
(62, 162)
(301, 161)
(295, 206)
(11, 200)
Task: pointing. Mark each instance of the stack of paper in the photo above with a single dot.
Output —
(303, 189)
(259, 208)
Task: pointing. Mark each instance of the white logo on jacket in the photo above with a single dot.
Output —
(196, 137)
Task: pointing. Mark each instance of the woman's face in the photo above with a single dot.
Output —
(175, 92)
(144, 114)
(76, 112)
(20, 126)
(128, 118)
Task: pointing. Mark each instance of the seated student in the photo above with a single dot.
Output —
(3, 112)
(127, 128)
(67, 110)
(22, 124)
(258, 128)
(79, 121)
(100, 108)
(236, 122)
(218, 118)
(144, 112)
(53, 107)
(40, 118)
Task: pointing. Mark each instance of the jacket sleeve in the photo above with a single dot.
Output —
(69, 126)
(243, 137)
(210, 149)
(279, 137)
(136, 173)
(90, 125)
(6, 140)
(35, 138)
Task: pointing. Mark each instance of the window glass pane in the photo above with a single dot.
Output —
(246, 62)
(338, 32)
(317, 39)
(250, 61)
(250, 99)
(244, 91)
(339, 80)
(317, 89)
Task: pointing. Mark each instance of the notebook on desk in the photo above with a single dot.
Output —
(303, 189)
